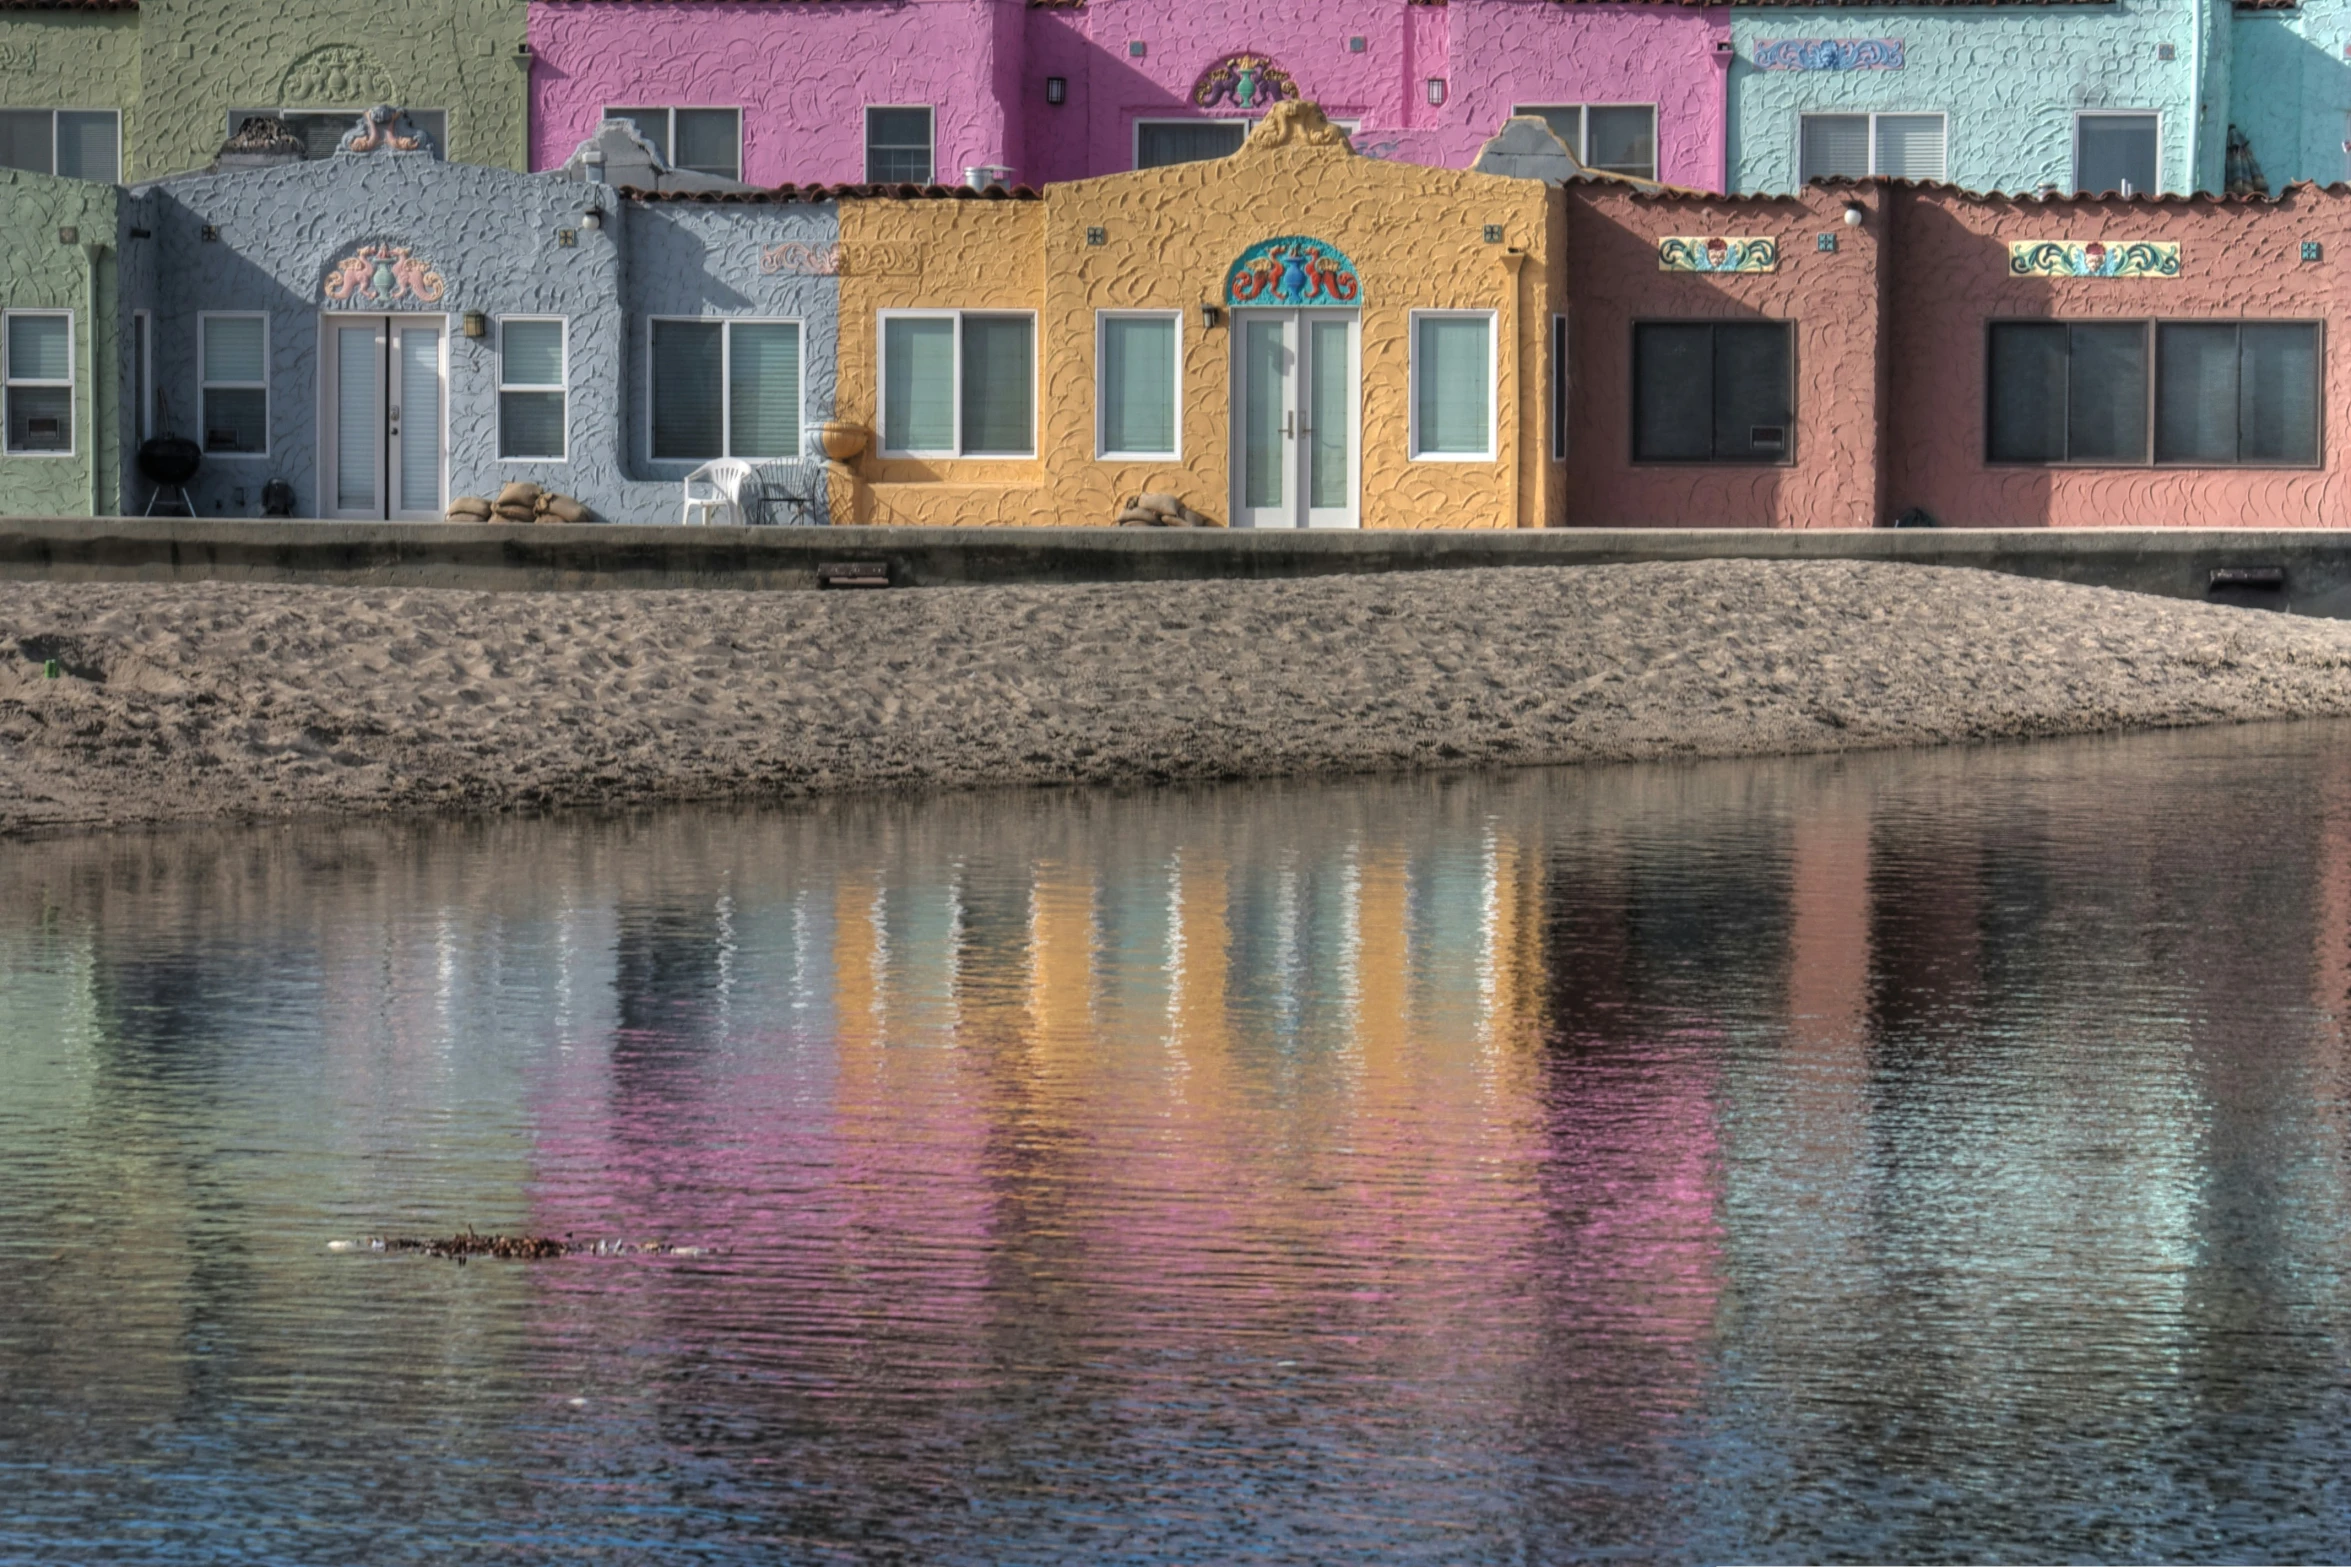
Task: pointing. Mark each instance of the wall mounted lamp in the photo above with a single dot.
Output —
(1210, 318)
(522, 51)
(1436, 89)
(1057, 89)
(1854, 213)
(476, 324)
(592, 218)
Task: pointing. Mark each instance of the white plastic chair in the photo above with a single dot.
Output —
(717, 486)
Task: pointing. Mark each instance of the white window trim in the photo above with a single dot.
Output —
(1584, 128)
(1873, 116)
(8, 378)
(865, 151)
(1493, 384)
(268, 400)
(2079, 115)
(671, 109)
(881, 333)
(726, 387)
(564, 387)
(53, 112)
(1102, 451)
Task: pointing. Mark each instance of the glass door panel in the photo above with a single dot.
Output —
(1296, 419)
(386, 391)
(358, 422)
(1330, 428)
(1266, 418)
(416, 420)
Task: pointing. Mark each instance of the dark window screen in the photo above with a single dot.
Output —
(2106, 393)
(1712, 391)
(1751, 402)
(2224, 393)
(1159, 143)
(2028, 392)
(2277, 393)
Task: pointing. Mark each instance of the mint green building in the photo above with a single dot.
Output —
(65, 373)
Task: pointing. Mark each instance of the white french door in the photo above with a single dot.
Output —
(384, 421)
(1297, 419)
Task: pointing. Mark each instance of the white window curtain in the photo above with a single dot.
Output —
(1453, 380)
(1138, 380)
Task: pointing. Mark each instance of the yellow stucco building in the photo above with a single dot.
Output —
(1293, 336)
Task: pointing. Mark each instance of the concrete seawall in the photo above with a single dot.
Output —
(2305, 571)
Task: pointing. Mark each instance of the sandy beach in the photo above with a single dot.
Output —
(234, 702)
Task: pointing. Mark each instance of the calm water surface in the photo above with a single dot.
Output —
(1915, 1157)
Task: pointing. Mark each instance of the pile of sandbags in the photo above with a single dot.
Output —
(1162, 511)
(519, 502)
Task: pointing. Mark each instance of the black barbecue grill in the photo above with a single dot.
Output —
(167, 463)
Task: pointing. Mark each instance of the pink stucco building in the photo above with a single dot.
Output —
(846, 90)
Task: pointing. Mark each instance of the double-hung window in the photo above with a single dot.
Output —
(1854, 146)
(2205, 394)
(82, 144)
(1139, 383)
(898, 145)
(1453, 385)
(959, 383)
(725, 389)
(234, 356)
(701, 141)
(1614, 138)
(1713, 391)
(531, 384)
(36, 366)
(2116, 152)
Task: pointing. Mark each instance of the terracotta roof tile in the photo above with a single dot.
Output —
(785, 195)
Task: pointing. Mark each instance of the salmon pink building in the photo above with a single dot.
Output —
(917, 91)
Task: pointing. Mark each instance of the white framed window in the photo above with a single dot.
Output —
(143, 373)
(233, 363)
(724, 387)
(1614, 138)
(2117, 150)
(36, 381)
(1855, 146)
(898, 141)
(532, 407)
(1453, 377)
(959, 383)
(1138, 383)
(702, 141)
(82, 144)
(321, 131)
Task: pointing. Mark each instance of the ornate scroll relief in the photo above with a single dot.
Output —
(1244, 81)
(1829, 54)
(1290, 272)
(385, 129)
(2093, 258)
(1715, 253)
(376, 277)
(880, 260)
(336, 73)
(797, 258)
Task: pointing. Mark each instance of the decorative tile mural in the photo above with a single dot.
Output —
(798, 258)
(1292, 271)
(1715, 253)
(1244, 81)
(2093, 258)
(375, 277)
(1829, 54)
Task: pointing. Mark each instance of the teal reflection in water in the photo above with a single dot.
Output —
(1912, 1156)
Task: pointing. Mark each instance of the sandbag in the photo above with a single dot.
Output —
(519, 493)
(469, 508)
(561, 508)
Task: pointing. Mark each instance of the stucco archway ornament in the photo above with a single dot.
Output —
(386, 129)
(1292, 272)
(381, 277)
(1296, 124)
(336, 74)
(1244, 81)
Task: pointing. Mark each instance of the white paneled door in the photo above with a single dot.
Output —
(1297, 419)
(385, 417)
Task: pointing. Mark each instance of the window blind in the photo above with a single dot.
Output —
(359, 418)
(1910, 146)
(763, 397)
(530, 423)
(40, 348)
(2106, 393)
(87, 144)
(419, 348)
(1832, 146)
(918, 372)
(689, 408)
(1138, 385)
(530, 353)
(233, 349)
(997, 384)
(28, 140)
(1454, 375)
(2277, 391)
(2027, 375)
(2196, 393)
(1330, 391)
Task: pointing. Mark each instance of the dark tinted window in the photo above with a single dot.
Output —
(2224, 392)
(2115, 150)
(1162, 142)
(1712, 391)
(2028, 392)
(2106, 393)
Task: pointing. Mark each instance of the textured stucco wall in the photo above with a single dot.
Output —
(2009, 80)
(2291, 94)
(492, 235)
(1833, 480)
(1414, 233)
(72, 60)
(202, 58)
(803, 74)
(37, 272)
(2237, 261)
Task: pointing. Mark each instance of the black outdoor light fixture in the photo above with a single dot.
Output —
(1210, 318)
(1057, 89)
(1436, 90)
